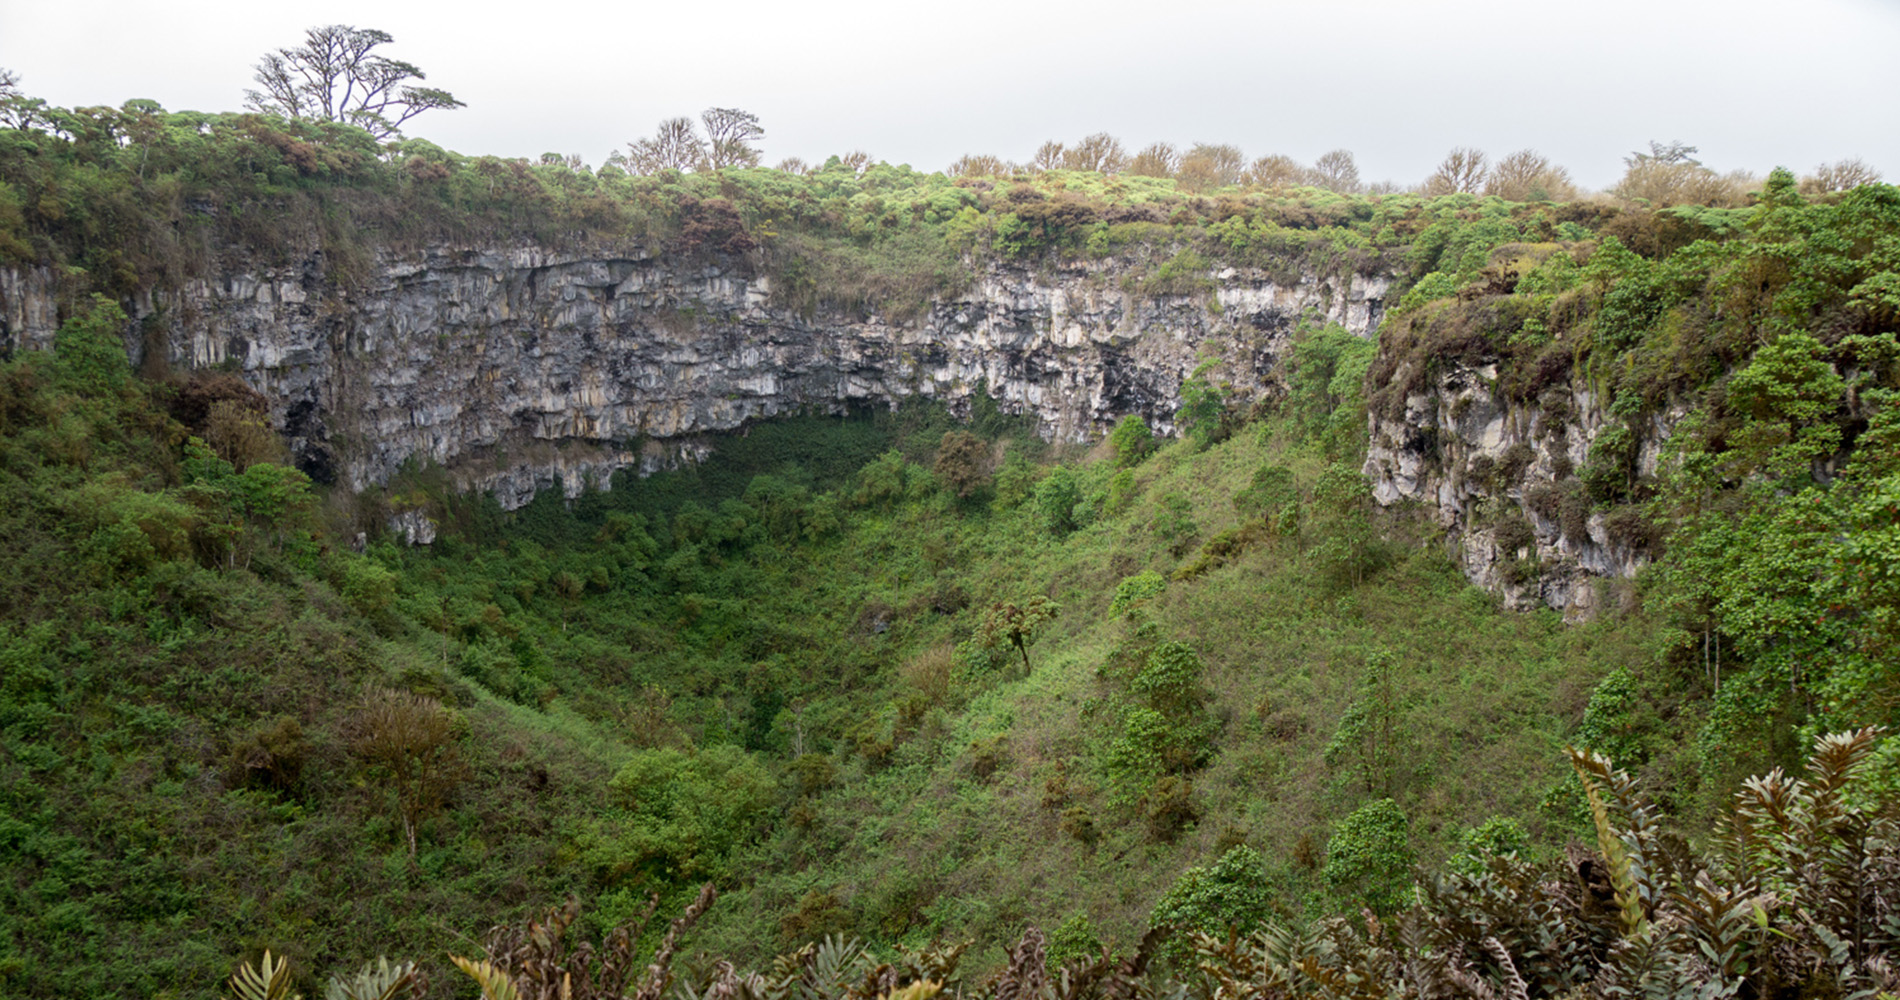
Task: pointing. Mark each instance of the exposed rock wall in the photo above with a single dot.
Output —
(1477, 463)
(511, 367)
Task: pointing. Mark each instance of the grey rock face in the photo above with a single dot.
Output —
(1474, 462)
(513, 368)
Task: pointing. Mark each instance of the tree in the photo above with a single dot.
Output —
(1527, 175)
(1017, 623)
(1202, 416)
(675, 145)
(1048, 157)
(1100, 152)
(412, 739)
(1209, 166)
(857, 161)
(1670, 175)
(680, 815)
(1844, 175)
(89, 349)
(1275, 172)
(1158, 160)
(18, 111)
(1348, 549)
(1367, 744)
(335, 77)
(978, 165)
(1336, 171)
(1463, 171)
(1788, 397)
(730, 137)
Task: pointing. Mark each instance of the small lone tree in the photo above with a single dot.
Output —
(334, 77)
(412, 739)
(1017, 623)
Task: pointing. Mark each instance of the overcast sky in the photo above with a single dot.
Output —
(1752, 83)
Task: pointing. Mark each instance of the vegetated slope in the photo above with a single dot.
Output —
(780, 687)
(1712, 395)
(874, 676)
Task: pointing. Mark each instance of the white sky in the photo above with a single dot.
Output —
(1753, 83)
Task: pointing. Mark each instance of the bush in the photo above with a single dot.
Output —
(1173, 522)
(1369, 860)
(681, 816)
(1132, 441)
(1231, 894)
(1056, 499)
(1136, 590)
(962, 463)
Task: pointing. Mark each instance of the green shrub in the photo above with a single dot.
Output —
(1369, 858)
(1056, 499)
(1231, 895)
(1132, 441)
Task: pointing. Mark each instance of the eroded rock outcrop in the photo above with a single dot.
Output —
(1501, 478)
(515, 368)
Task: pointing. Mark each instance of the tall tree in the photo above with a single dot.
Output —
(1336, 171)
(979, 165)
(731, 137)
(1275, 171)
(1048, 156)
(1844, 175)
(1207, 166)
(1463, 171)
(1100, 152)
(857, 161)
(335, 76)
(411, 739)
(17, 110)
(1528, 175)
(1158, 160)
(1017, 623)
(674, 145)
(1669, 174)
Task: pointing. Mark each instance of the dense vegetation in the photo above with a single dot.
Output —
(903, 679)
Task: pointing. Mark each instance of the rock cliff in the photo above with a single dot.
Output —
(1500, 478)
(515, 368)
